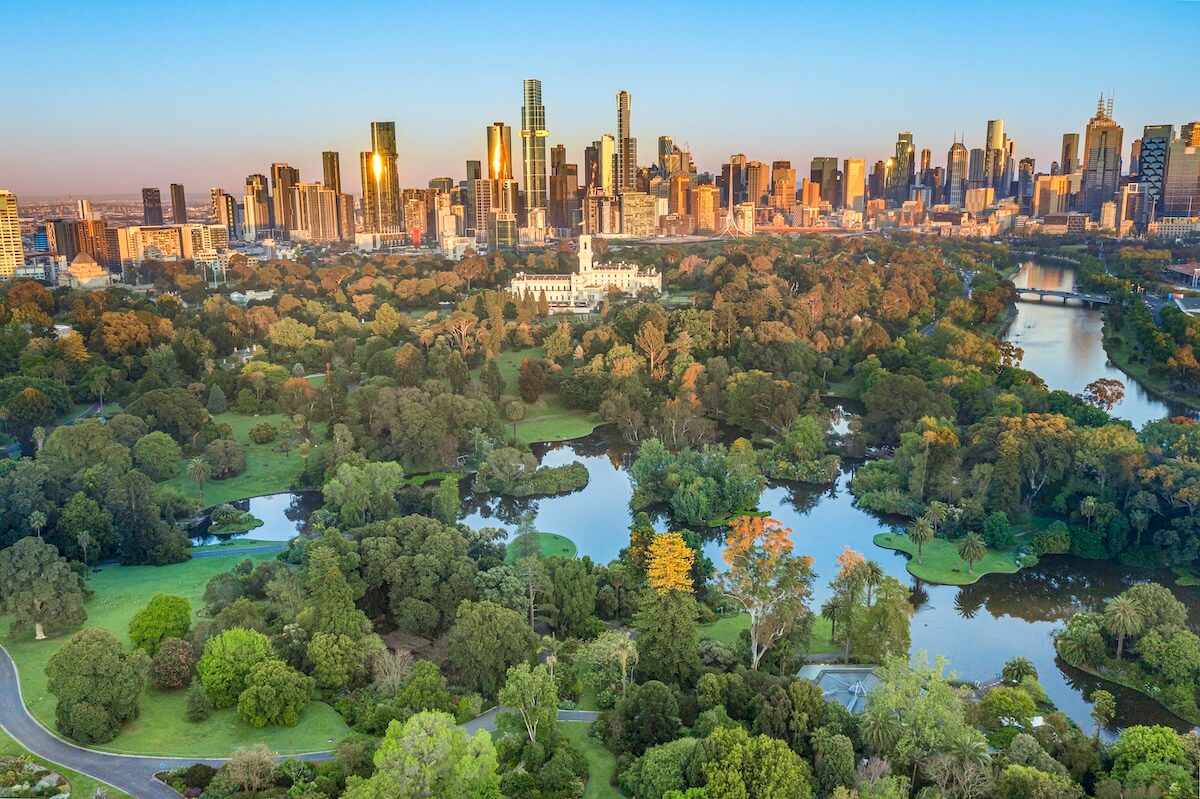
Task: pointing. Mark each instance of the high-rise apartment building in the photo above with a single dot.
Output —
(499, 151)
(178, 204)
(564, 191)
(1181, 188)
(331, 170)
(603, 165)
(823, 172)
(957, 162)
(224, 211)
(758, 182)
(1102, 159)
(626, 146)
(1069, 162)
(1152, 167)
(1051, 195)
(533, 146)
(283, 179)
(678, 187)
(12, 253)
(258, 213)
(995, 154)
(381, 183)
(901, 173)
(706, 207)
(853, 184)
(152, 207)
(638, 214)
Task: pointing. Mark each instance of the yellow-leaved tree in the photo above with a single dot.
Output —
(669, 563)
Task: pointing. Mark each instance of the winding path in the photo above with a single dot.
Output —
(134, 774)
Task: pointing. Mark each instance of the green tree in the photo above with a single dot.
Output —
(157, 455)
(531, 380)
(738, 765)
(882, 628)
(491, 379)
(38, 588)
(1141, 744)
(217, 401)
(1172, 653)
(171, 666)
(1104, 708)
(274, 696)
(446, 501)
(339, 660)
(485, 641)
(649, 716)
(531, 694)
(330, 607)
(1017, 669)
(227, 660)
(666, 644)
(1024, 782)
(834, 764)
(165, 616)
(97, 685)
(365, 493)
(1123, 617)
(921, 533)
(569, 598)
(429, 756)
(972, 549)
(198, 471)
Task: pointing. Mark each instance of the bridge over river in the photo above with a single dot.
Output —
(1027, 295)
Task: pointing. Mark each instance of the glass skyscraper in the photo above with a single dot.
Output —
(533, 145)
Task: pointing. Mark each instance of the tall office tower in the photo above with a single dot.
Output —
(564, 190)
(956, 174)
(470, 211)
(1135, 157)
(441, 185)
(853, 178)
(937, 185)
(823, 170)
(877, 185)
(224, 211)
(810, 193)
(1054, 169)
(626, 146)
(666, 146)
(1152, 166)
(757, 182)
(558, 156)
(1070, 154)
(733, 181)
(1181, 189)
(283, 178)
(591, 165)
(178, 204)
(12, 254)
(257, 210)
(1025, 185)
(483, 198)
(926, 157)
(151, 207)
(1102, 159)
(605, 164)
(902, 167)
(316, 211)
(705, 202)
(83, 209)
(994, 155)
(533, 145)
(381, 185)
(499, 151)
(975, 168)
(1051, 194)
(331, 170)
(678, 187)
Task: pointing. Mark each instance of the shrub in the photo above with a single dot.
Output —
(198, 706)
(251, 769)
(226, 458)
(198, 775)
(274, 696)
(171, 666)
(165, 616)
(1054, 540)
(227, 661)
(996, 531)
(263, 433)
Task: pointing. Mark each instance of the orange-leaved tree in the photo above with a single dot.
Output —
(767, 580)
(669, 563)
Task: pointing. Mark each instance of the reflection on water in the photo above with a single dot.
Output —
(283, 516)
(1063, 345)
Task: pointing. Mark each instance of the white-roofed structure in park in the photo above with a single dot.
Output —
(583, 290)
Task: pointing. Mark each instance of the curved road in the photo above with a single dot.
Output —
(134, 774)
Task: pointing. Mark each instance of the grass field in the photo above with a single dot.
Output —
(941, 563)
(727, 629)
(552, 545)
(547, 419)
(81, 787)
(267, 471)
(236, 543)
(600, 761)
(1122, 356)
(160, 729)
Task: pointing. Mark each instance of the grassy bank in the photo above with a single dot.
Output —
(548, 419)
(600, 761)
(160, 729)
(1113, 672)
(941, 563)
(267, 471)
(551, 545)
(1121, 354)
(82, 787)
(727, 629)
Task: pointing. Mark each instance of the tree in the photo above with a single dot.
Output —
(217, 401)
(669, 563)
(1123, 617)
(339, 660)
(569, 597)
(971, 549)
(38, 588)
(531, 693)
(1017, 669)
(198, 471)
(531, 380)
(921, 533)
(1025, 782)
(429, 756)
(97, 685)
(1104, 708)
(882, 629)
(737, 765)
(834, 764)
(157, 455)
(666, 643)
(1141, 744)
(491, 379)
(330, 606)
(365, 493)
(1104, 392)
(171, 666)
(175, 411)
(165, 616)
(485, 641)
(514, 411)
(446, 501)
(770, 584)
(275, 694)
(225, 458)
(251, 768)
(227, 661)
(648, 716)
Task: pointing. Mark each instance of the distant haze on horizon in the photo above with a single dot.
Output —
(148, 95)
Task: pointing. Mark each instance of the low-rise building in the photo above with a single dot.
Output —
(585, 288)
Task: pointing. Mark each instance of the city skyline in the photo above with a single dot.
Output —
(855, 111)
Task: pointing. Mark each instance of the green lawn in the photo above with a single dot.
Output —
(1123, 357)
(160, 729)
(82, 787)
(600, 761)
(727, 629)
(236, 543)
(941, 563)
(548, 419)
(267, 471)
(552, 545)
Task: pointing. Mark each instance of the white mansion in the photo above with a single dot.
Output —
(584, 289)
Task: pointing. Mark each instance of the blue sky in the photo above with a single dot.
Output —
(113, 97)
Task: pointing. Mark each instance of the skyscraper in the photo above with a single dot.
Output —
(283, 178)
(1070, 154)
(499, 151)
(995, 156)
(224, 211)
(533, 145)
(666, 146)
(12, 254)
(1181, 189)
(1102, 159)
(956, 174)
(151, 207)
(626, 146)
(853, 179)
(975, 161)
(331, 168)
(178, 204)
(823, 170)
(381, 184)
(470, 211)
(902, 167)
(758, 181)
(605, 164)
(257, 210)
(564, 190)
(1152, 166)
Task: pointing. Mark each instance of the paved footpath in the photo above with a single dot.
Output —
(134, 774)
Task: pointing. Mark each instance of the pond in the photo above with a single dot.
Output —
(283, 516)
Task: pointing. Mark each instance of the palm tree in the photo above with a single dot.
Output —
(936, 514)
(920, 533)
(39, 437)
(1139, 520)
(880, 731)
(972, 548)
(551, 646)
(971, 749)
(1017, 669)
(37, 521)
(829, 610)
(626, 654)
(873, 575)
(198, 471)
(1087, 509)
(1123, 616)
(1072, 646)
(99, 384)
